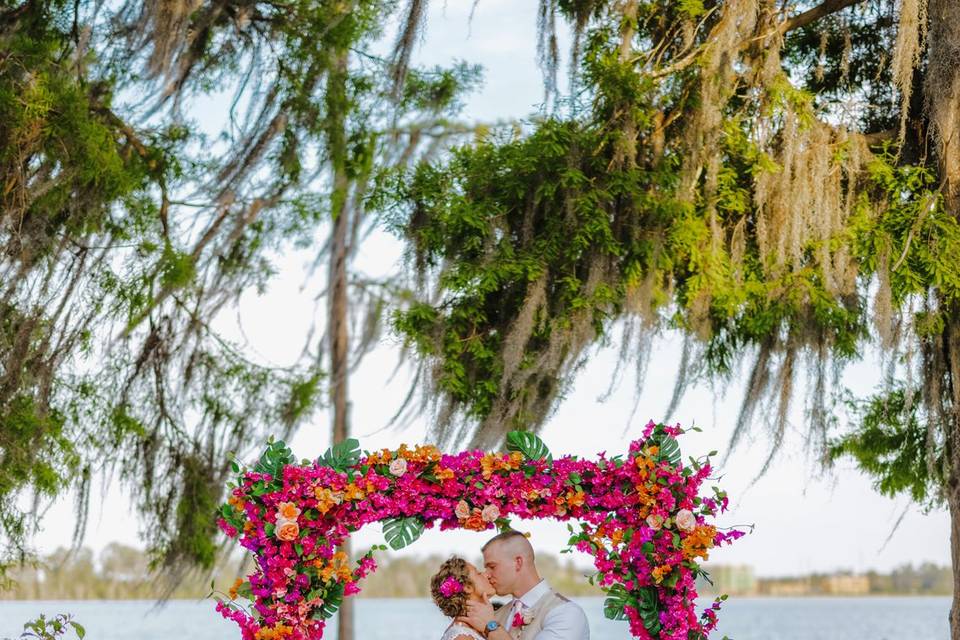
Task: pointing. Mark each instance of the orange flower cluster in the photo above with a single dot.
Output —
(233, 590)
(384, 456)
(442, 473)
(646, 461)
(421, 453)
(569, 500)
(353, 492)
(699, 541)
(273, 633)
(326, 499)
(337, 567)
(660, 572)
(492, 462)
(535, 494)
(646, 492)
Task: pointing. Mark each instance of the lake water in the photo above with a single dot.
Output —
(876, 618)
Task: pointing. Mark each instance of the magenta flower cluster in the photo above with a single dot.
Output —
(640, 516)
(450, 586)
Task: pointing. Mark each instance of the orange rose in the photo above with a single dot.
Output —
(462, 510)
(475, 522)
(287, 511)
(287, 530)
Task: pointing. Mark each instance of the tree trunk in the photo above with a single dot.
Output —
(337, 289)
(942, 92)
(953, 499)
(942, 99)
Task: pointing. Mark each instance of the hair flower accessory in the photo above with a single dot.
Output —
(450, 586)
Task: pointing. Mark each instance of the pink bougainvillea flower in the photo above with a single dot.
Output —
(451, 586)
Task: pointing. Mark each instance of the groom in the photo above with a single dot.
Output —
(537, 611)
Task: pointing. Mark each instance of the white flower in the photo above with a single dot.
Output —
(654, 521)
(686, 521)
(398, 467)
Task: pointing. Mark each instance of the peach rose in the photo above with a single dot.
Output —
(287, 511)
(287, 530)
(490, 513)
(398, 467)
(654, 521)
(686, 521)
(463, 510)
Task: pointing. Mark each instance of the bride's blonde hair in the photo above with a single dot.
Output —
(456, 603)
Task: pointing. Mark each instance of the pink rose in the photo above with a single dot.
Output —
(686, 521)
(655, 521)
(490, 513)
(398, 467)
(463, 510)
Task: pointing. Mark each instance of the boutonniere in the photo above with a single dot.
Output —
(521, 620)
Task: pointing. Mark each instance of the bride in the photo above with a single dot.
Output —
(456, 583)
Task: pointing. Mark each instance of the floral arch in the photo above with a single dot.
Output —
(640, 516)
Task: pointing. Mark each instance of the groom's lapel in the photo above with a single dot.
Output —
(501, 614)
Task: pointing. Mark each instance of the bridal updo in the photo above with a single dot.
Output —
(452, 603)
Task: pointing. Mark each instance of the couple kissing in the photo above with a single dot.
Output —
(537, 612)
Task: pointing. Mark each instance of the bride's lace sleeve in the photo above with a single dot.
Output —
(457, 630)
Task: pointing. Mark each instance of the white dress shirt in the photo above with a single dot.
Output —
(566, 621)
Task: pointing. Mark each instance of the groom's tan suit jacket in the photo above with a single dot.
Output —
(536, 614)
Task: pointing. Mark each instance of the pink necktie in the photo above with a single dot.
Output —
(517, 608)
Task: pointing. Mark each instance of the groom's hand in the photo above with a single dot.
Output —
(478, 615)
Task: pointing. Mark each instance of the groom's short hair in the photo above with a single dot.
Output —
(511, 536)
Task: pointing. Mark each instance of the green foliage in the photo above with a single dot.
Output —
(35, 451)
(529, 444)
(332, 602)
(400, 532)
(274, 458)
(342, 455)
(617, 598)
(669, 448)
(126, 228)
(893, 442)
(704, 186)
(44, 629)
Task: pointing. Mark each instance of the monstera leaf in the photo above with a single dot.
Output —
(649, 612)
(669, 448)
(531, 446)
(400, 532)
(331, 602)
(617, 599)
(342, 455)
(274, 459)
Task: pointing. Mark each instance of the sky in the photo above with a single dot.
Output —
(803, 519)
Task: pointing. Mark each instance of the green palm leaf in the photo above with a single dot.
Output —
(669, 448)
(529, 444)
(401, 532)
(342, 455)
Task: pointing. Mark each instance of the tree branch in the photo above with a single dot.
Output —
(811, 15)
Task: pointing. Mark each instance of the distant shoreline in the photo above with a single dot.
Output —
(704, 596)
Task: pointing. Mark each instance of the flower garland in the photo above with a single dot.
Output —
(641, 518)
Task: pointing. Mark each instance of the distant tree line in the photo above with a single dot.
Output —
(120, 572)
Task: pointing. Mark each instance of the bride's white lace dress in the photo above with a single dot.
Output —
(456, 630)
